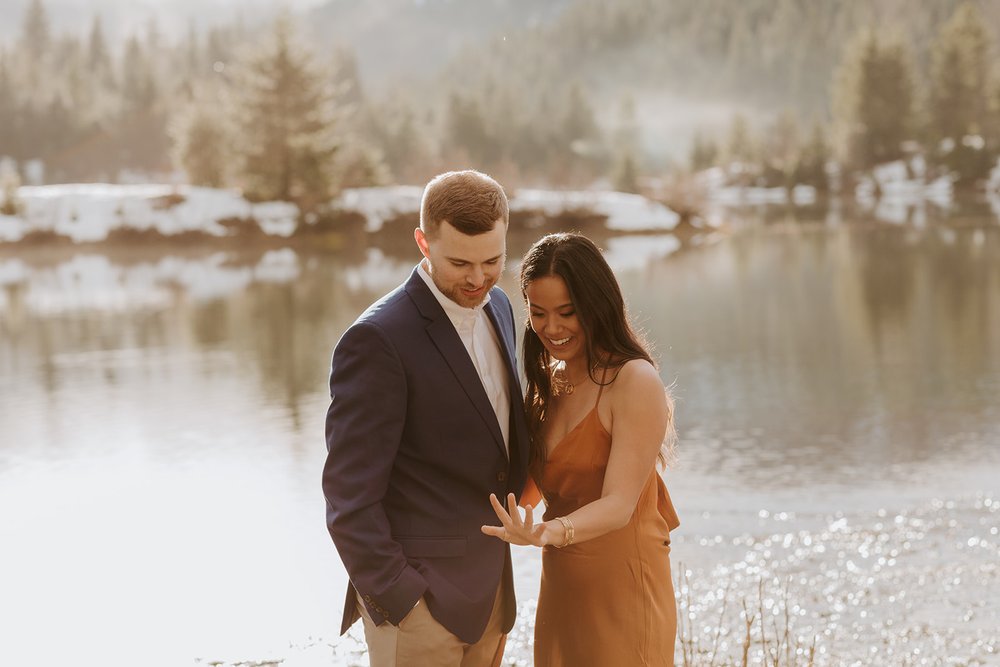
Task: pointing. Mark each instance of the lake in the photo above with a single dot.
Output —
(161, 442)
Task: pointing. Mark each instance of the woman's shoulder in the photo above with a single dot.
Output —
(636, 376)
(637, 394)
(637, 369)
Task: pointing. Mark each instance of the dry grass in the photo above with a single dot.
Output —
(714, 645)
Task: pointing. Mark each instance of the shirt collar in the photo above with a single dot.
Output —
(455, 312)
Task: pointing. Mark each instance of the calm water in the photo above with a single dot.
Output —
(161, 425)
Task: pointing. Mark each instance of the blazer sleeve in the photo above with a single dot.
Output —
(364, 425)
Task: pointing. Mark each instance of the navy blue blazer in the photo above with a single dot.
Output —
(414, 450)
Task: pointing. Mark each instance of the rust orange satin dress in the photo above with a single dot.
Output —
(610, 600)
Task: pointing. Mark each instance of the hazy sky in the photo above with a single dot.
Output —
(120, 17)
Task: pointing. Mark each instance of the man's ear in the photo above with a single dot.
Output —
(421, 239)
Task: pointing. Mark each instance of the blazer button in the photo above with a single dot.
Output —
(501, 476)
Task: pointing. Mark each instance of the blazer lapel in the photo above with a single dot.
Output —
(446, 339)
(499, 319)
(503, 324)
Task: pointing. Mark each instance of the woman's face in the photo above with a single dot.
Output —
(554, 320)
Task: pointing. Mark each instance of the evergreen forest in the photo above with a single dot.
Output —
(560, 93)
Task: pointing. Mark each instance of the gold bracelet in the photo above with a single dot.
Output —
(570, 531)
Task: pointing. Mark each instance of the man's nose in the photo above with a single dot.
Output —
(475, 276)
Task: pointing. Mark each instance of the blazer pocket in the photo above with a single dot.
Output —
(432, 547)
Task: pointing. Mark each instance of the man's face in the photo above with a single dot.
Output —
(464, 267)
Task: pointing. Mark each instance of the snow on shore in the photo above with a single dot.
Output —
(90, 212)
(625, 212)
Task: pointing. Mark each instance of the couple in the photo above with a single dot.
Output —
(432, 445)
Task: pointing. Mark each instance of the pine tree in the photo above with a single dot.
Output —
(625, 177)
(704, 152)
(961, 59)
(873, 101)
(579, 128)
(285, 119)
(138, 83)
(347, 80)
(579, 152)
(58, 125)
(35, 32)
(393, 128)
(361, 166)
(191, 52)
(10, 182)
(740, 147)
(466, 131)
(810, 168)
(201, 143)
(782, 147)
(626, 144)
(10, 134)
(99, 58)
(626, 134)
(97, 48)
(961, 124)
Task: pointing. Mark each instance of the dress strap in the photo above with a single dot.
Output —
(600, 386)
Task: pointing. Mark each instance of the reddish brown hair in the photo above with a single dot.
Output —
(470, 201)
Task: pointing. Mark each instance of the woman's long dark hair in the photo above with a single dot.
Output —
(600, 308)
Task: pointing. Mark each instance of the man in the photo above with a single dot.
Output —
(425, 421)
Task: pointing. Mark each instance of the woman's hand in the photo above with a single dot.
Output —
(514, 529)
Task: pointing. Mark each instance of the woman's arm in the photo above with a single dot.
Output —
(639, 420)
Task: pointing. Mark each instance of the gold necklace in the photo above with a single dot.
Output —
(561, 386)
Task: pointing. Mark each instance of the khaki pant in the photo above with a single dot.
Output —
(420, 641)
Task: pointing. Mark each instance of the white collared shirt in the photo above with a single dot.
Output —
(481, 342)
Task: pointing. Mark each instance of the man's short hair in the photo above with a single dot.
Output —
(470, 201)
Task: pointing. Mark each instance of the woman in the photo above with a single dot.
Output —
(600, 421)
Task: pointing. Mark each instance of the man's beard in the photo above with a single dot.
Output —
(455, 294)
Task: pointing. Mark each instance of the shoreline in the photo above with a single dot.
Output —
(185, 215)
(911, 585)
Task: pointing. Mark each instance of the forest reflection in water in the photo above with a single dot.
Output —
(173, 406)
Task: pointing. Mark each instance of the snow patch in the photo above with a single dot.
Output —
(625, 212)
(90, 212)
(381, 204)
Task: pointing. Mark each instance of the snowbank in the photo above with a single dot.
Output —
(90, 212)
(718, 186)
(625, 212)
(381, 204)
(904, 183)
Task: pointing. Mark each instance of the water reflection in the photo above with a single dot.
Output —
(870, 344)
(161, 417)
(828, 351)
